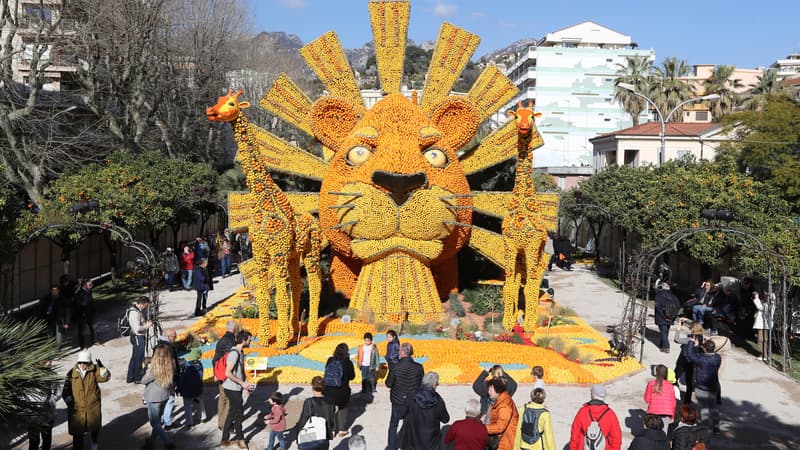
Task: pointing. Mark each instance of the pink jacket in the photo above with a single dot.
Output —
(662, 403)
(277, 418)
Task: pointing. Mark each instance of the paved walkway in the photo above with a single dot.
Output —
(759, 409)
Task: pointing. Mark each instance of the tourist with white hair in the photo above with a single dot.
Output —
(468, 433)
(423, 411)
(357, 442)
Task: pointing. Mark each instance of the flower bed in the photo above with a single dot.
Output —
(456, 361)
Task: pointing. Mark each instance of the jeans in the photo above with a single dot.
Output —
(167, 416)
(154, 411)
(169, 279)
(279, 436)
(225, 265)
(393, 421)
(186, 278)
(709, 412)
(698, 311)
(664, 332)
(235, 414)
(188, 410)
(137, 358)
(367, 380)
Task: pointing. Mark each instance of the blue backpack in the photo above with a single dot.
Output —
(334, 372)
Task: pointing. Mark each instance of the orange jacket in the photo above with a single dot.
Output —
(503, 421)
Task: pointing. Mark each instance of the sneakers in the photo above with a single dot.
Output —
(714, 333)
(241, 444)
(226, 443)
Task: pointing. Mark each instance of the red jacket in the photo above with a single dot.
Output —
(468, 434)
(187, 261)
(609, 423)
(661, 403)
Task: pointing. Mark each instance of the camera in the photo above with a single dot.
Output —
(653, 370)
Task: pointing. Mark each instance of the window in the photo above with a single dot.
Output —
(570, 45)
(607, 119)
(632, 158)
(609, 60)
(701, 116)
(681, 154)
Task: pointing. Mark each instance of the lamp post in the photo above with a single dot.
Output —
(664, 119)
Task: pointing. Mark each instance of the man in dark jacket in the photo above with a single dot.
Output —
(422, 413)
(83, 309)
(224, 345)
(665, 301)
(405, 377)
(706, 380)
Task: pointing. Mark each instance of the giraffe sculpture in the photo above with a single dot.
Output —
(280, 237)
(523, 230)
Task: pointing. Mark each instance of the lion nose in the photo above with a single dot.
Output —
(399, 185)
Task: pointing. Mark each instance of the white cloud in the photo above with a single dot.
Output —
(295, 4)
(444, 10)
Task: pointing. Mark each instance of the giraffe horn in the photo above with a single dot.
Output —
(238, 93)
(230, 91)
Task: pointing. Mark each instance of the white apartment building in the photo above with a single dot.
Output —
(788, 67)
(570, 75)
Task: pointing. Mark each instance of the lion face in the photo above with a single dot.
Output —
(395, 183)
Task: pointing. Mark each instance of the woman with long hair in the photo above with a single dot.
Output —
(159, 385)
(762, 323)
(660, 396)
(317, 406)
(337, 392)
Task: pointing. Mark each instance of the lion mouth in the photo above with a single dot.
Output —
(374, 249)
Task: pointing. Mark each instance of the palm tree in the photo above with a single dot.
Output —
(722, 84)
(768, 84)
(24, 348)
(636, 71)
(669, 87)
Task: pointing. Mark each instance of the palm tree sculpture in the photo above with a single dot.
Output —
(722, 84)
(636, 71)
(669, 87)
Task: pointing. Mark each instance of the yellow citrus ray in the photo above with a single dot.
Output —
(326, 58)
(453, 49)
(389, 28)
(491, 91)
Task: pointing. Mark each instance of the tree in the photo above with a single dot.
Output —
(766, 145)
(636, 71)
(722, 84)
(41, 132)
(25, 352)
(767, 84)
(669, 87)
(149, 69)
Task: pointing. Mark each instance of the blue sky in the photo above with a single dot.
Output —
(701, 32)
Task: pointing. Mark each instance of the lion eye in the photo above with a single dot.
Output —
(436, 157)
(358, 155)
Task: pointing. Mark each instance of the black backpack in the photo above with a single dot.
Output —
(672, 308)
(334, 372)
(530, 424)
(123, 322)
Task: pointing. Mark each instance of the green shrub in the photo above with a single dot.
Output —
(544, 341)
(558, 345)
(457, 307)
(573, 353)
(485, 299)
(415, 328)
(564, 311)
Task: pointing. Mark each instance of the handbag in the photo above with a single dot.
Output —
(493, 442)
(315, 429)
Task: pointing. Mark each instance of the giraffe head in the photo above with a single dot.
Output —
(524, 117)
(227, 108)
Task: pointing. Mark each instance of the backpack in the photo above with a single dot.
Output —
(671, 309)
(221, 366)
(530, 425)
(594, 438)
(334, 373)
(124, 323)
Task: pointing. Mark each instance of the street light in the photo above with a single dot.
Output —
(664, 120)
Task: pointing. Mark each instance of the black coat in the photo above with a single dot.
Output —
(404, 377)
(706, 368)
(482, 389)
(684, 436)
(664, 297)
(317, 406)
(650, 440)
(422, 414)
(340, 396)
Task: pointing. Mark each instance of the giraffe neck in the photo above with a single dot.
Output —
(255, 172)
(523, 181)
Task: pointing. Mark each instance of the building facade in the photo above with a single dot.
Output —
(639, 145)
(569, 74)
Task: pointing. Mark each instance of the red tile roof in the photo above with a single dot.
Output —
(673, 129)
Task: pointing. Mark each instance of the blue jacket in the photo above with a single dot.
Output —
(706, 368)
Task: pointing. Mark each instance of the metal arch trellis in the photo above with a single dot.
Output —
(639, 279)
